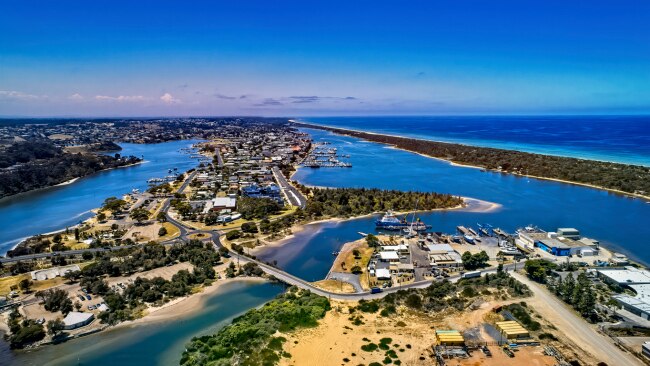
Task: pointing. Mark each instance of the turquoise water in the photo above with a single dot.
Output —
(624, 139)
(619, 222)
(161, 343)
(55, 208)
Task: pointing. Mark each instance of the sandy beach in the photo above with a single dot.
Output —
(187, 305)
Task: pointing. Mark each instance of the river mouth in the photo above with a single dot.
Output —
(610, 218)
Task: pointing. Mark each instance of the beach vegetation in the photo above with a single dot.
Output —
(250, 340)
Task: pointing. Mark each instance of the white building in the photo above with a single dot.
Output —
(76, 319)
(45, 274)
(633, 278)
(389, 256)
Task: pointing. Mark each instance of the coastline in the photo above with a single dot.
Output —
(70, 181)
(190, 303)
(330, 129)
(471, 205)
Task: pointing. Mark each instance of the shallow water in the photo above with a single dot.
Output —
(616, 220)
(160, 343)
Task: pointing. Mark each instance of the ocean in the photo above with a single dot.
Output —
(623, 139)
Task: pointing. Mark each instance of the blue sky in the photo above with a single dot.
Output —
(300, 58)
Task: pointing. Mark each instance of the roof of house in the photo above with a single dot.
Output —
(224, 202)
(76, 317)
(382, 273)
(388, 255)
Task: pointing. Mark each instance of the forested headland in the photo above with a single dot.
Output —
(29, 165)
(632, 179)
(347, 202)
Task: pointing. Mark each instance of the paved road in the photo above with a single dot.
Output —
(217, 152)
(65, 253)
(576, 328)
(293, 195)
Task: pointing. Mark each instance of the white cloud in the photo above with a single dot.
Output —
(121, 98)
(169, 99)
(13, 94)
(76, 96)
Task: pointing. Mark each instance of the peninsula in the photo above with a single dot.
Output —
(631, 180)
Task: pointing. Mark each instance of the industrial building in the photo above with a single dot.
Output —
(449, 338)
(444, 256)
(635, 279)
(562, 243)
(512, 330)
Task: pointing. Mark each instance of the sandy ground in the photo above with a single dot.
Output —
(334, 285)
(529, 356)
(142, 233)
(336, 338)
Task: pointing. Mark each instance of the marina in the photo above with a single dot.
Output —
(322, 156)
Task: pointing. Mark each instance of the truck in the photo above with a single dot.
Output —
(375, 290)
(472, 274)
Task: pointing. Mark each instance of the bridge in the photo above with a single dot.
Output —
(279, 274)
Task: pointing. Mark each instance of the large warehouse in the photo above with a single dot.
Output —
(633, 278)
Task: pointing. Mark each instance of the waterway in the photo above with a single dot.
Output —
(160, 343)
(617, 221)
(624, 139)
(54, 208)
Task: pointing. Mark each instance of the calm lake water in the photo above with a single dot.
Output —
(619, 222)
(161, 343)
(55, 208)
(624, 139)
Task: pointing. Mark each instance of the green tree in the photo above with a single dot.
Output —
(249, 227)
(54, 327)
(162, 231)
(113, 204)
(25, 284)
(101, 216)
(76, 234)
(568, 285)
(161, 217)
(233, 234)
(372, 241)
(139, 214)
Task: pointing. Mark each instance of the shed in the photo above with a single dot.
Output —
(512, 329)
(389, 256)
(449, 338)
(383, 274)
